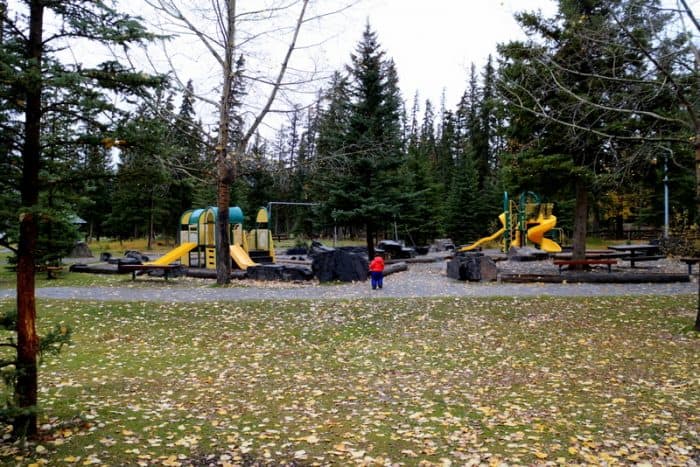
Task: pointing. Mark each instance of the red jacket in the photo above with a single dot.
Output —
(377, 264)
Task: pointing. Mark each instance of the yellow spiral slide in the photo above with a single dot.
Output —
(536, 234)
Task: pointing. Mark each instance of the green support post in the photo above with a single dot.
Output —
(507, 233)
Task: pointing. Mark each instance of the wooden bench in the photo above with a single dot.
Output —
(588, 261)
(51, 271)
(167, 269)
(690, 261)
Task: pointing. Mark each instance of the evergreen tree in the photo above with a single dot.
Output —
(142, 195)
(488, 117)
(367, 192)
(331, 145)
(589, 85)
(462, 220)
(192, 168)
(30, 71)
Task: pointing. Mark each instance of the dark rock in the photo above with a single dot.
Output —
(472, 266)
(343, 264)
(279, 272)
(80, 250)
(422, 250)
(442, 244)
(489, 270)
(392, 249)
(136, 255)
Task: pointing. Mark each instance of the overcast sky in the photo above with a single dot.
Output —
(434, 42)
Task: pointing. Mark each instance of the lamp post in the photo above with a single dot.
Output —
(666, 196)
(666, 220)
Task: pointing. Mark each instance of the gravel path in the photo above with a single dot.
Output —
(421, 280)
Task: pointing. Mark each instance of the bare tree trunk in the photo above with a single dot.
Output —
(226, 177)
(223, 260)
(370, 241)
(25, 424)
(697, 208)
(580, 220)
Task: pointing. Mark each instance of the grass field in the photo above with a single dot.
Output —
(411, 381)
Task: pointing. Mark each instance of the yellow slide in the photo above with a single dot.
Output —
(241, 257)
(174, 255)
(536, 234)
(481, 241)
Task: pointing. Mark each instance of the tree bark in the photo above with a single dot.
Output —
(25, 424)
(580, 220)
(697, 202)
(370, 241)
(223, 260)
(225, 165)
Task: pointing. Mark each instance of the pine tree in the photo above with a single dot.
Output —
(586, 91)
(368, 192)
(462, 220)
(30, 72)
(192, 169)
(331, 145)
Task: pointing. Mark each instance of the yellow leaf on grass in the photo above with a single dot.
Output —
(541, 455)
(311, 439)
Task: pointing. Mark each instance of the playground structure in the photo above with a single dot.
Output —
(199, 238)
(523, 221)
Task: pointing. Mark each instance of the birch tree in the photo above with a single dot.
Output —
(228, 30)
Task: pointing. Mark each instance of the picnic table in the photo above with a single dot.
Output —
(637, 253)
(690, 261)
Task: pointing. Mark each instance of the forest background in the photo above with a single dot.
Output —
(596, 111)
(581, 103)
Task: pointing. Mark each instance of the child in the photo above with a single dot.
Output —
(376, 271)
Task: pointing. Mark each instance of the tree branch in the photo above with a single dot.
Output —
(283, 68)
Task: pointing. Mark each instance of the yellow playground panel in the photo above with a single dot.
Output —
(198, 239)
(526, 220)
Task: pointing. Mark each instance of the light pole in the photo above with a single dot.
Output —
(666, 196)
(666, 220)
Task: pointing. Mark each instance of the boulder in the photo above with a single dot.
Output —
(473, 267)
(80, 250)
(330, 264)
(279, 272)
(136, 255)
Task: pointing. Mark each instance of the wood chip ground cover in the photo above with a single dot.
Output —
(406, 382)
